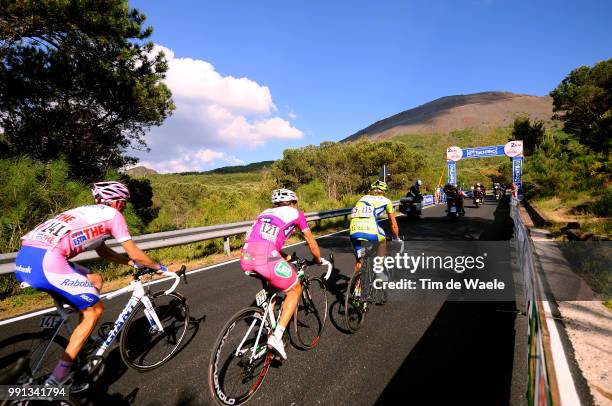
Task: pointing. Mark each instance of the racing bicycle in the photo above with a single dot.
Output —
(361, 293)
(152, 327)
(240, 358)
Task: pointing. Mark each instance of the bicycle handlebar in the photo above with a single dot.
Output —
(176, 275)
(324, 262)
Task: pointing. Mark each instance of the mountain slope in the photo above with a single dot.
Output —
(477, 111)
(140, 171)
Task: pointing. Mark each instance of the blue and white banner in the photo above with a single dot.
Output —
(483, 152)
(452, 172)
(428, 200)
(517, 172)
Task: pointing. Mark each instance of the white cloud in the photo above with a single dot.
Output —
(200, 160)
(213, 112)
(292, 115)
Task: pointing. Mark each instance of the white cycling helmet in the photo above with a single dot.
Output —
(109, 191)
(283, 195)
(419, 182)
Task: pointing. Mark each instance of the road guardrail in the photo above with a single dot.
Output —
(186, 236)
(542, 388)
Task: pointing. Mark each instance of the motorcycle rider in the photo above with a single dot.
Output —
(415, 190)
(451, 191)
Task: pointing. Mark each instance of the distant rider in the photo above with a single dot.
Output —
(262, 253)
(364, 222)
(451, 191)
(415, 191)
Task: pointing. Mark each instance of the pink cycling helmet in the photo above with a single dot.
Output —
(109, 191)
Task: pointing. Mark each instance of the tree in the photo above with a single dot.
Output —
(78, 79)
(531, 134)
(583, 100)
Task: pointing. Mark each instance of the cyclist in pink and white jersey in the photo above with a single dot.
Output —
(262, 253)
(42, 261)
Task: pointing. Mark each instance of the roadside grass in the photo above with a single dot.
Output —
(193, 256)
(560, 210)
(591, 260)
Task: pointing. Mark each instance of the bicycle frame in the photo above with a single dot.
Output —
(268, 312)
(268, 307)
(138, 295)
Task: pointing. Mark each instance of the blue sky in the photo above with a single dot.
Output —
(253, 78)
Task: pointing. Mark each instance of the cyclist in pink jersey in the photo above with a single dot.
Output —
(42, 261)
(262, 253)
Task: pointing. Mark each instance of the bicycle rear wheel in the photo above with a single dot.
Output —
(143, 346)
(311, 313)
(239, 361)
(354, 303)
(68, 402)
(43, 352)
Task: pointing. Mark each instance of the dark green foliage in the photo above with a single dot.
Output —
(348, 168)
(562, 165)
(531, 134)
(78, 80)
(583, 100)
(141, 198)
(252, 167)
(603, 205)
(31, 192)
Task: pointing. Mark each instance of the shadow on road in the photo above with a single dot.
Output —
(115, 368)
(466, 355)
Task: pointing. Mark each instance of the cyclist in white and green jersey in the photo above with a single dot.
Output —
(364, 221)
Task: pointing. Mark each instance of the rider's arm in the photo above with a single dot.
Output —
(312, 245)
(392, 220)
(119, 230)
(105, 252)
(137, 256)
(394, 227)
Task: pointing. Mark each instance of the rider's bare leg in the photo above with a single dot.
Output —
(96, 280)
(89, 318)
(292, 296)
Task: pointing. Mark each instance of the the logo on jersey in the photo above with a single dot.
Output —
(289, 230)
(26, 269)
(282, 269)
(74, 282)
(79, 237)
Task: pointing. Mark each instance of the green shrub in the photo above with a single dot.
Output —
(603, 205)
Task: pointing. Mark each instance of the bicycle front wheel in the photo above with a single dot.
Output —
(311, 313)
(354, 303)
(143, 346)
(240, 358)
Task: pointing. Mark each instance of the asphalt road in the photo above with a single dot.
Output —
(421, 350)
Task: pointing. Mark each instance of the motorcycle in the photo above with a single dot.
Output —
(478, 197)
(498, 193)
(411, 206)
(453, 207)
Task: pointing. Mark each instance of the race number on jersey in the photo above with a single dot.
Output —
(50, 232)
(268, 231)
(362, 211)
